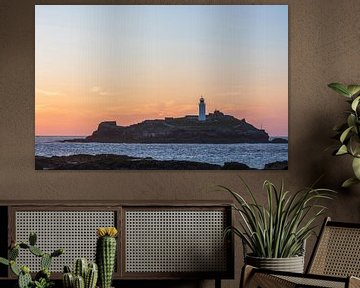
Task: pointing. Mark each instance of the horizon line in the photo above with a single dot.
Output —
(88, 135)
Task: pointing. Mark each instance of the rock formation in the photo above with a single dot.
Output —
(216, 129)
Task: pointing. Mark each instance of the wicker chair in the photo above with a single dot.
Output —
(334, 263)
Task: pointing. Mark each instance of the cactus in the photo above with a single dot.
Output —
(91, 276)
(90, 272)
(57, 253)
(68, 280)
(106, 254)
(24, 280)
(44, 273)
(45, 261)
(13, 253)
(80, 267)
(79, 282)
(42, 278)
(32, 238)
(36, 251)
(24, 245)
(24, 277)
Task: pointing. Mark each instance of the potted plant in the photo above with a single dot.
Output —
(348, 132)
(42, 278)
(276, 233)
(84, 274)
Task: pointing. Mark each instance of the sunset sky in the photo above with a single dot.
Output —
(135, 62)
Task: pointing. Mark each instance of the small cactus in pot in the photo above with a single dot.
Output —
(106, 254)
(85, 275)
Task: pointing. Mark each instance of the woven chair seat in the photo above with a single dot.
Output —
(313, 282)
(335, 262)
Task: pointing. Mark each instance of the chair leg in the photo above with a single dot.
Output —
(246, 274)
(217, 283)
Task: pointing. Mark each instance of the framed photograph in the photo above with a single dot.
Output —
(167, 87)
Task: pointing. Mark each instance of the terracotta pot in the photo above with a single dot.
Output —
(291, 264)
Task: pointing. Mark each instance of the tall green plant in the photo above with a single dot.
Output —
(349, 131)
(279, 229)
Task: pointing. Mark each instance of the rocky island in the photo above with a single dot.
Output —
(217, 128)
(213, 128)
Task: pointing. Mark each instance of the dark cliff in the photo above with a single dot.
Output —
(218, 128)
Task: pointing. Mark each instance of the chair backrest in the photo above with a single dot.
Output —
(337, 251)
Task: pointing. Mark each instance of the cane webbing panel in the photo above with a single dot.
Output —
(75, 231)
(313, 282)
(259, 280)
(338, 252)
(175, 241)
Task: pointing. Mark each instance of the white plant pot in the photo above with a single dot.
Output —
(291, 264)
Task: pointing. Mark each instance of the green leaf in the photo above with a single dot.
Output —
(349, 182)
(354, 145)
(351, 120)
(356, 167)
(14, 268)
(342, 150)
(355, 103)
(340, 88)
(345, 134)
(4, 261)
(353, 89)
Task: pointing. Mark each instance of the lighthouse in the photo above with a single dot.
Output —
(202, 109)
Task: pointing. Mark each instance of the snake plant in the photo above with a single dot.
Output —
(279, 228)
(348, 132)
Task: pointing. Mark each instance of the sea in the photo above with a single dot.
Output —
(254, 155)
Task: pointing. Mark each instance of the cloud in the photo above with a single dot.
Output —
(100, 91)
(230, 94)
(48, 92)
(95, 89)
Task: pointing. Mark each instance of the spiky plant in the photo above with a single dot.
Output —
(85, 274)
(279, 229)
(106, 254)
(42, 278)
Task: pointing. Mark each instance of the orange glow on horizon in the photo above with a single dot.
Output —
(83, 118)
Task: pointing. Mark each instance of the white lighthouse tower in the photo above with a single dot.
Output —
(202, 109)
